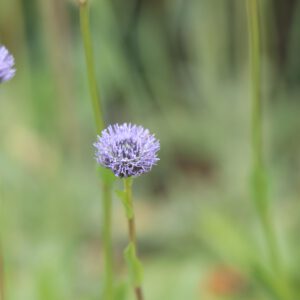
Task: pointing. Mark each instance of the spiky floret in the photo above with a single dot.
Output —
(128, 150)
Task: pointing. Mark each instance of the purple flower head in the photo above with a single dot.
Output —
(128, 150)
(7, 62)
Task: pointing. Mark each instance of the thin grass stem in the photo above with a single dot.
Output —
(89, 58)
(260, 186)
(98, 116)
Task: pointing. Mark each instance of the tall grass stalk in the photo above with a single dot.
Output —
(89, 58)
(259, 177)
(98, 116)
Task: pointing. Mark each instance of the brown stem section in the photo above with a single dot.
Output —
(139, 293)
(131, 229)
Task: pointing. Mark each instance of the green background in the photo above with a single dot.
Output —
(181, 69)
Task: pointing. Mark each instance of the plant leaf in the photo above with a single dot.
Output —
(134, 265)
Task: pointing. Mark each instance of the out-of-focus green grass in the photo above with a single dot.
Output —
(181, 70)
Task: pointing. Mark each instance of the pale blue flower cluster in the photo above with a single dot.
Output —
(7, 62)
(128, 150)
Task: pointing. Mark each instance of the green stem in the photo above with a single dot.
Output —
(106, 186)
(107, 243)
(89, 57)
(131, 228)
(260, 185)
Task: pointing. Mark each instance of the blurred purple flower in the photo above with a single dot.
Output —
(7, 62)
(128, 150)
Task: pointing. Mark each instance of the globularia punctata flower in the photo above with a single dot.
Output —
(128, 150)
(7, 70)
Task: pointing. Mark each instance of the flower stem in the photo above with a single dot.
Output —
(107, 243)
(260, 186)
(131, 229)
(98, 116)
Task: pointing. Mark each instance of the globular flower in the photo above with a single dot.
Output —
(128, 150)
(7, 62)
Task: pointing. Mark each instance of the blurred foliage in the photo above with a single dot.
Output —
(181, 69)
